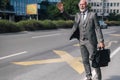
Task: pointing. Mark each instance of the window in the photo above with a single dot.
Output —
(91, 4)
(117, 11)
(110, 10)
(107, 10)
(98, 4)
(117, 4)
(107, 4)
(101, 4)
(97, 10)
(114, 4)
(104, 4)
(94, 4)
(94, 10)
(114, 11)
(111, 4)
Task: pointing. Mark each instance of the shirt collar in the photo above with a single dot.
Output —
(85, 12)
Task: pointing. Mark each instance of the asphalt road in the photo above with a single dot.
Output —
(49, 55)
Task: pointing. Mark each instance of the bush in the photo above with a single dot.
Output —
(7, 26)
(31, 25)
(69, 24)
(48, 24)
(63, 24)
(113, 23)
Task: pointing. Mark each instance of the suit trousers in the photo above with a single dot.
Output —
(87, 52)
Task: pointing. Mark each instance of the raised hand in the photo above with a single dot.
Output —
(60, 6)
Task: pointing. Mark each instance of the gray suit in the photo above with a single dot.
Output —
(93, 28)
(92, 33)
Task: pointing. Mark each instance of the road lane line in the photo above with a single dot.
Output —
(117, 35)
(57, 60)
(117, 50)
(28, 63)
(110, 43)
(74, 62)
(5, 57)
(47, 35)
(112, 55)
(109, 32)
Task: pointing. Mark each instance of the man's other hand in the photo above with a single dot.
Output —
(101, 45)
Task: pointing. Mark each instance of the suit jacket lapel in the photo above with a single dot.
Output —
(87, 18)
(79, 17)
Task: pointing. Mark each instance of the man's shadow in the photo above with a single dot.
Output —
(114, 78)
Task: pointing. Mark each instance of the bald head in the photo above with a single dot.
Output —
(82, 5)
(83, 2)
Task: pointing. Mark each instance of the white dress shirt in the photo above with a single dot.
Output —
(84, 15)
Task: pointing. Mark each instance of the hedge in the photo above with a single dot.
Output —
(32, 25)
(63, 24)
(7, 26)
(113, 23)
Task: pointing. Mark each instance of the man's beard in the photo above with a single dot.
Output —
(82, 10)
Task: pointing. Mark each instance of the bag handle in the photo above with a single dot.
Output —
(99, 48)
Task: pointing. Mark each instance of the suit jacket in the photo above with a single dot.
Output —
(94, 32)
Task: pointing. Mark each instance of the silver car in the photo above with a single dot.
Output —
(103, 25)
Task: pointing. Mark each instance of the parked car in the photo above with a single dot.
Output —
(103, 25)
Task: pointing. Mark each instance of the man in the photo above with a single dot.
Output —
(86, 29)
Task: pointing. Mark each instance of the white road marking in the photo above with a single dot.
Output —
(47, 35)
(117, 35)
(109, 32)
(113, 54)
(110, 43)
(5, 57)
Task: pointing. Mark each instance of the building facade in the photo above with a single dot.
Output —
(20, 5)
(104, 7)
(6, 10)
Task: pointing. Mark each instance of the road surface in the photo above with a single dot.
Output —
(49, 55)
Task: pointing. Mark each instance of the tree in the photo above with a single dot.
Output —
(118, 17)
(52, 11)
(4, 5)
(1, 4)
(71, 6)
(112, 16)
